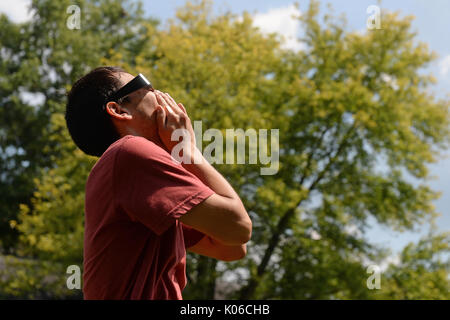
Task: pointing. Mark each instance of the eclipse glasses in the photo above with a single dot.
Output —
(139, 82)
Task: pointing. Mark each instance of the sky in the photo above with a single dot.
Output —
(431, 24)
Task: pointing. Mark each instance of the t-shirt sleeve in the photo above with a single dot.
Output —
(191, 236)
(151, 187)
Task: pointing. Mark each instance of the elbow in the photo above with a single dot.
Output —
(246, 233)
(239, 253)
(239, 230)
(242, 233)
(243, 226)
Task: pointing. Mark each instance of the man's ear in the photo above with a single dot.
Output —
(117, 111)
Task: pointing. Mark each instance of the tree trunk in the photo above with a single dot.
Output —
(205, 285)
(248, 291)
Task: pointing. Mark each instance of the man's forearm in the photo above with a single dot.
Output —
(210, 176)
(214, 180)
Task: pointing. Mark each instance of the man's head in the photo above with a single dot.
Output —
(95, 122)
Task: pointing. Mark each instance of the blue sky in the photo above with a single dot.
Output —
(431, 20)
(431, 23)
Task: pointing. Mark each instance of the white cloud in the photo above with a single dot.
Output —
(315, 235)
(34, 99)
(281, 21)
(390, 81)
(444, 65)
(17, 10)
(390, 260)
(353, 230)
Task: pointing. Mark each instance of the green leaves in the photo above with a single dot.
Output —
(421, 272)
(355, 118)
(43, 174)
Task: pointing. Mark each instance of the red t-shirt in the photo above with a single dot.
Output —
(134, 246)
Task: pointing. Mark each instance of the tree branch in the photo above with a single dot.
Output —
(283, 223)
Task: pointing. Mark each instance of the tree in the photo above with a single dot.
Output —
(44, 57)
(52, 227)
(421, 273)
(347, 106)
(40, 60)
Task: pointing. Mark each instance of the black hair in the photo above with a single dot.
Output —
(89, 125)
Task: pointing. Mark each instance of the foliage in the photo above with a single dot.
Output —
(40, 60)
(355, 118)
(421, 273)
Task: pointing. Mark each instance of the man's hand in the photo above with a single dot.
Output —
(172, 116)
(221, 216)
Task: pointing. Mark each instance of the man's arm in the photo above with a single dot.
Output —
(223, 212)
(210, 247)
(222, 216)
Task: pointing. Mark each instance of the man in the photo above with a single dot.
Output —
(142, 208)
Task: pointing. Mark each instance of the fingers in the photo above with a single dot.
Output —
(161, 117)
(170, 117)
(174, 105)
(163, 102)
(182, 108)
(169, 102)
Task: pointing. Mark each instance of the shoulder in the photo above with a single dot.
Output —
(134, 145)
(130, 148)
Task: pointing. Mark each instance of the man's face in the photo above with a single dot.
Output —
(141, 104)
